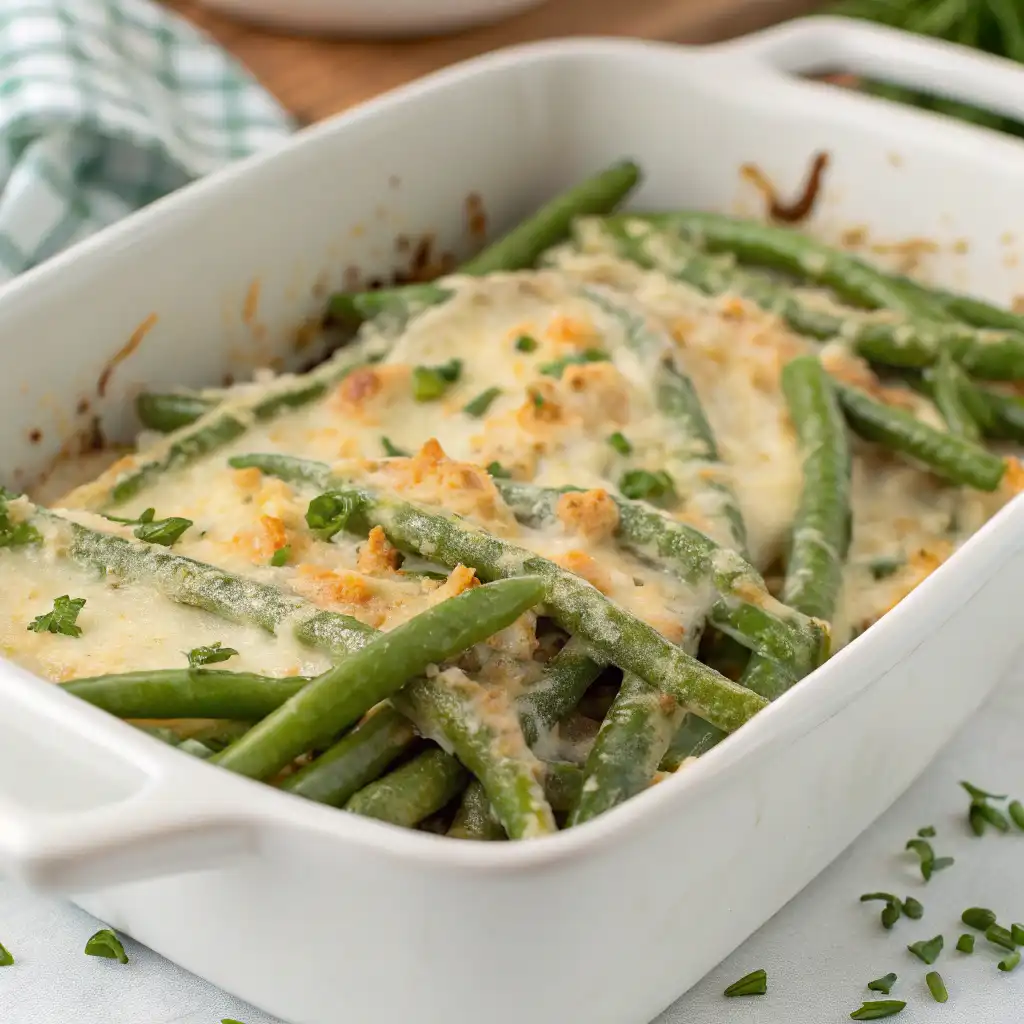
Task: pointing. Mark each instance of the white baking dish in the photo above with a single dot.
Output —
(320, 916)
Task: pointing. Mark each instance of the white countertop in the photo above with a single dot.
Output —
(819, 951)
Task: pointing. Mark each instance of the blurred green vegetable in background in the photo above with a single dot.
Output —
(995, 26)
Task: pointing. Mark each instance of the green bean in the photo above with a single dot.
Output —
(187, 693)
(820, 541)
(746, 611)
(950, 390)
(413, 791)
(222, 425)
(336, 699)
(1001, 416)
(579, 607)
(574, 604)
(566, 678)
(634, 737)
(951, 457)
(516, 250)
(970, 310)
(695, 464)
(459, 716)
(520, 248)
(204, 586)
(474, 819)
(994, 355)
(784, 249)
(822, 528)
(172, 410)
(355, 760)
(351, 309)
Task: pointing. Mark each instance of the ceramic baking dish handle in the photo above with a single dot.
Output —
(819, 45)
(87, 801)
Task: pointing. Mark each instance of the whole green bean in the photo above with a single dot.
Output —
(697, 465)
(355, 760)
(968, 309)
(634, 737)
(574, 604)
(878, 337)
(822, 528)
(474, 819)
(172, 410)
(950, 390)
(455, 714)
(222, 425)
(784, 249)
(947, 455)
(516, 250)
(188, 582)
(187, 693)
(520, 248)
(566, 678)
(336, 699)
(820, 538)
(351, 309)
(413, 791)
(746, 610)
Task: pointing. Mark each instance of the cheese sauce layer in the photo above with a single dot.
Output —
(549, 377)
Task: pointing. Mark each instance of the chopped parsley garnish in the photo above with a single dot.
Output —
(620, 443)
(980, 794)
(1016, 811)
(887, 565)
(329, 513)
(893, 909)
(61, 619)
(524, 343)
(883, 984)
(753, 984)
(879, 1008)
(105, 943)
(479, 405)
(643, 485)
(538, 399)
(496, 469)
(200, 656)
(392, 450)
(913, 909)
(1000, 936)
(936, 986)
(990, 815)
(1010, 962)
(430, 382)
(978, 917)
(281, 555)
(14, 535)
(6, 959)
(557, 367)
(929, 862)
(927, 950)
(155, 531)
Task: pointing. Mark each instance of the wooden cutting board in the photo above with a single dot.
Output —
(314, 78)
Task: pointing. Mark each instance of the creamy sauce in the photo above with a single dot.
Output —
(550, 428)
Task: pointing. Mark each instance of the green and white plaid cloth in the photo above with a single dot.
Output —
(106, 105)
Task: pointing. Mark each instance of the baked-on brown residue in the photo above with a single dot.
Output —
(124, 352)
(801, 209)
(251, 305)
(476, 218)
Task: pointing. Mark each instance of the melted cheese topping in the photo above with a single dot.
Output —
(557, 399)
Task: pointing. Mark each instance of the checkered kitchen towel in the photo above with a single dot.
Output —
(106, 105)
